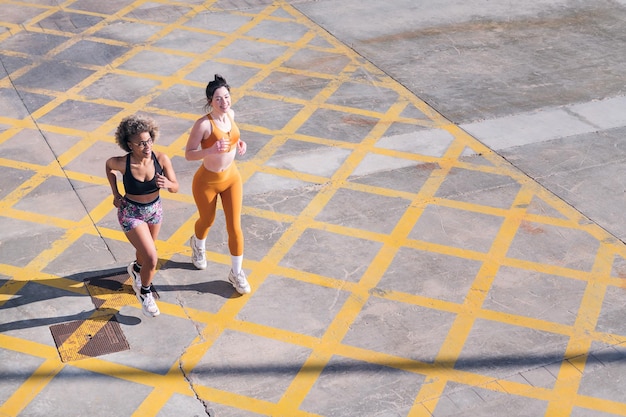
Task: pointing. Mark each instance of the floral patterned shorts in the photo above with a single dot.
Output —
(131, 214)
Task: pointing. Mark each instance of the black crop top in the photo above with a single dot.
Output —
(134, 186)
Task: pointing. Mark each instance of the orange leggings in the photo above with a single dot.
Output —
(206, 186)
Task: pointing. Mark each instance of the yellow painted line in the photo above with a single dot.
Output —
(57, 247)
(280, 249)
(601, 405)
(112, 300)
(31, 217)
(277, 142)
(269, 214)
(174, 381)
(304, 381)
(29, 389)
(316, 363)
(448, 373)
(23, 189)
(586, 320)
(12, 28)
(10, 288)
(28, 348)
(547, 269)
(250, 404)
(5, 136)
(459, 331)
(322, 348)
(153, 403)
(167, 82)
(70, 349)
(135, 375)
(314, 279)
(52, 366)
(181, 237)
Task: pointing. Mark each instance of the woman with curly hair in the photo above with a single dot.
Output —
(144, 173)
(214, 139)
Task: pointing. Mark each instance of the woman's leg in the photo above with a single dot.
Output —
(142, 238)
(232, 201)
(205, 196)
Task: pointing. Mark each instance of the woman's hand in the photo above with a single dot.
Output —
(241, 147)
(117, 200)
(162, 181)
(223, 145)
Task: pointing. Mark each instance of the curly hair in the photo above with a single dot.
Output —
(134, 125)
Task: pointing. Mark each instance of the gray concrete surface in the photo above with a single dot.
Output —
(512, 75)
(475, 60)
(433, 208)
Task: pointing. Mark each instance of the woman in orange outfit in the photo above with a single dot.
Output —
(214, 139)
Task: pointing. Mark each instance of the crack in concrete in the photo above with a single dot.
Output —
(209, 412)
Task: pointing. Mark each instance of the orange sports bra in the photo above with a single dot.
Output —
(217, 134)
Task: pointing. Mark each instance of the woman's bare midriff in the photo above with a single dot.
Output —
(220, 161)
(143, 199)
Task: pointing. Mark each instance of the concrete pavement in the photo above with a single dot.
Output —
(433, 209)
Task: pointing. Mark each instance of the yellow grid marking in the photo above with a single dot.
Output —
(560, 399)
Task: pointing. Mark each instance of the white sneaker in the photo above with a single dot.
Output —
(136, 279)
(197, 253)
(148, 303)
(239, 281)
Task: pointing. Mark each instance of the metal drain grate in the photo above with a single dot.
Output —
(88, 338)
